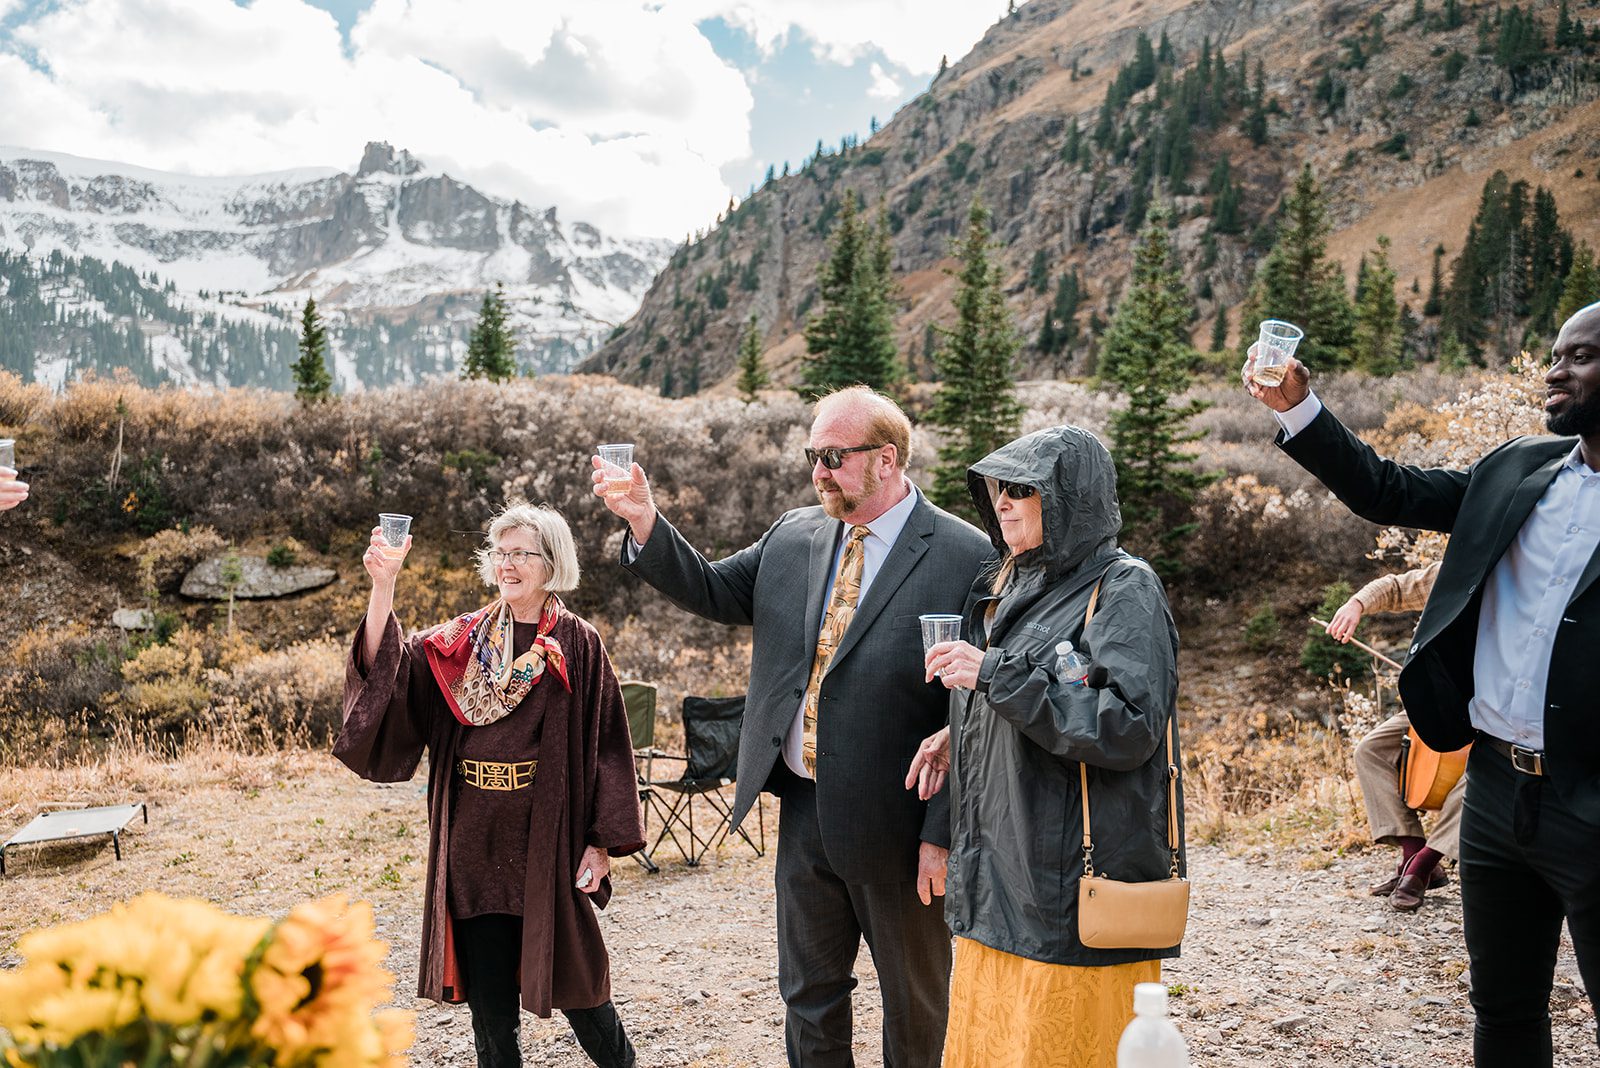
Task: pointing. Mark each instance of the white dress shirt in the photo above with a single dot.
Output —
(1524, 597)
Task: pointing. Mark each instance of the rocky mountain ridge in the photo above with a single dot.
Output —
(1424, 114)
(392, 247)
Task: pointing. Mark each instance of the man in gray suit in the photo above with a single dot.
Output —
(836, 710)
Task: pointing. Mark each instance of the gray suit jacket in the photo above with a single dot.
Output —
(875, 707)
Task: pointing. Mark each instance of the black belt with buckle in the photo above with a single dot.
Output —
(1527, 761)
(497, 775)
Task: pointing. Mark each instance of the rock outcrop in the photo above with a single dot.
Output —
(257, 579)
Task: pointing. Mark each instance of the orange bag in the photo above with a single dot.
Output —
(1426, 775)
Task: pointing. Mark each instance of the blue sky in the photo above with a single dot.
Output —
(640, 115)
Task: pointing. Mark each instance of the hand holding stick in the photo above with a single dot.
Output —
(1358, 643)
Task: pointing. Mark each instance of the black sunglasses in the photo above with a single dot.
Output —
(833, 459)
(1017, 491)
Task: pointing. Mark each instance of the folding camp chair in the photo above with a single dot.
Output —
(711, 736)
(640, 700)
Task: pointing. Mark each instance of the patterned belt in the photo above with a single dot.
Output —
(497, 775)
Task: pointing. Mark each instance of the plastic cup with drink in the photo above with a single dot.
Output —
(8, 453)
(395, 527)
(616, 467)
(938, 627)
(1274, 347)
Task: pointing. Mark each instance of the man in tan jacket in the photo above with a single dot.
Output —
(1378, 759)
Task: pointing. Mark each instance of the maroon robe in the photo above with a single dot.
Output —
(585, 793)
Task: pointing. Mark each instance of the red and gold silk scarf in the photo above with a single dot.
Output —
(470, 659)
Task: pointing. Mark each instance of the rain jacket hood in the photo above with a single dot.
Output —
(1077, 485)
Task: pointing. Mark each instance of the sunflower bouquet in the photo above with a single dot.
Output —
(165, 983)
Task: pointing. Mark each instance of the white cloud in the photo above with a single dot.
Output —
(911, 34)
(618, 113)
(883, 87)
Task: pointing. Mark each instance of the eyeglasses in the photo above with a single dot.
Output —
(1017, 491)
(520, 557)
(833, 459)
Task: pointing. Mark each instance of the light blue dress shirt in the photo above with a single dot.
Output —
(875, 548)
(1524, 597)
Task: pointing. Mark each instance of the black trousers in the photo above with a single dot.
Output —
(1526, 862)
(821, 922)
(490, 951)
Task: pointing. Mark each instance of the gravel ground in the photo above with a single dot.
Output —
(1282, 965)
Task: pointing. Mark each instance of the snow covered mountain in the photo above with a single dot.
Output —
(397, 256)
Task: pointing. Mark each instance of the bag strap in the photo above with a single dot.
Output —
(1172, 778)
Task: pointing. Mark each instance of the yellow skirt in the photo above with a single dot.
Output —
(1012, 1012)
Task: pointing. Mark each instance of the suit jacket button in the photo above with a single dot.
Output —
(798, 691)
(1414, 649)
(777, 740)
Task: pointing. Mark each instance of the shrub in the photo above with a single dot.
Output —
(290, 694)
(283, 554)
(1250, 534)
(1321, 655)
(1261, 632)
(53, 674)
(166, 556)
(165, 685)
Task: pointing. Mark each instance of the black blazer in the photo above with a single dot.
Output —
(875, 707)
(1482, 508)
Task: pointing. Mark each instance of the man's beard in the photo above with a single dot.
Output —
(842, 504)
(1580, 418)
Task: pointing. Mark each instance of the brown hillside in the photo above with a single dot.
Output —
(1006, 108)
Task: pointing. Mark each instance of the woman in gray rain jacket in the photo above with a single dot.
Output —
(1026, 991)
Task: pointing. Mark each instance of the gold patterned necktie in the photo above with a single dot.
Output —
(835, 621)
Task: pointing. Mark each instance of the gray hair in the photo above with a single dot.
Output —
(556, 548)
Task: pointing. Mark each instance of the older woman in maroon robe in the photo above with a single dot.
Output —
(531, 785)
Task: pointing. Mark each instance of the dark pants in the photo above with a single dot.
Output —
(821, 921)
(490, 951)
(1526, 861)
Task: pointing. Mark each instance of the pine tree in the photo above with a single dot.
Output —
(1039, 272)
(850, 341)
(1435, 302)
(312, 382)
(1255, 125)
(753, 376)
(1060, 329)
(1226, 217)
(1219, 329)
(1298, 282)
(491, 349)
(1146, 352)
(977, 402)
(1549, 261)
(1377, 334)
(1582, 285)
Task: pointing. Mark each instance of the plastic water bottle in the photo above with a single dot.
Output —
(1071, 665)
(1150, 1039)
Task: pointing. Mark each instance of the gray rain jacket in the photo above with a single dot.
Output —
(1016, 851)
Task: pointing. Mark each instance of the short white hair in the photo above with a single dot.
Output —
(549, 527)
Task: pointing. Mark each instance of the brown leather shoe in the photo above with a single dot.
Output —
(1408, 893)
(1387, 887)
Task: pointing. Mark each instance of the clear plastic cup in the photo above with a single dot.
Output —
(617, 468)
(936, 628)
(395, 527)
(1274, 347)
(8, 453)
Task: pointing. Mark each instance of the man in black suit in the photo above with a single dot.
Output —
(837, 707)
(1507, 657)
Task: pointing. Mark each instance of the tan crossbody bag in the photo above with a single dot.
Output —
(1118, 915)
